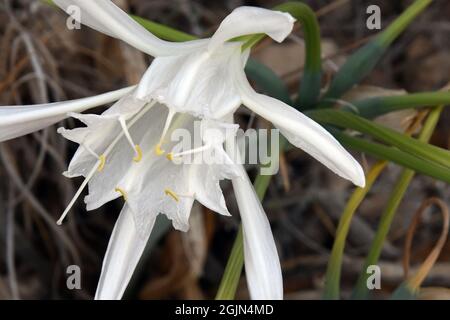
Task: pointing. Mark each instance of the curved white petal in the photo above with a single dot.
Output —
(122, 256)
(106, 17)
(251, 20)
(300, 130)
(262, 265)
(199, 83)
(16, 121)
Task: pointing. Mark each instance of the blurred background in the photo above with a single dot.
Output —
(42, 61)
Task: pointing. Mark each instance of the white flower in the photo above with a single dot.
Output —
(121, 151)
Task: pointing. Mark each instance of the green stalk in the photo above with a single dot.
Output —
(363, 61)
(333, 274)
(233, 270)
(361, 291)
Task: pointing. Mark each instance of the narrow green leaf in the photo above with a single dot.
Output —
(416, 147)
(309, 90)
(403, 292)
(312, 75)
(362, 62)
(361, 291)
(267, 80)
(332, 279)
(333, 274)
(395, 155)
(396, 28)
(373, 107)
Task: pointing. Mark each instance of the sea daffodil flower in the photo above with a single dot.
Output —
(124, 151)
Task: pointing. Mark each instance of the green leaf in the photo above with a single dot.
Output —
(333, 274)
(312, 75)
(413, 146)
(357, 67)
(395, 155)
(373, 107)
(267, 80)
(309, 90)
(403, 292)
(361, 291)
(362, 62)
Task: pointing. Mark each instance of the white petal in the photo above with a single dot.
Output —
(16, 121)
(300, 130)
(106, 17)
(122, 256)
(199, 83)
(262, 265)
(252, 20)
(205, 180)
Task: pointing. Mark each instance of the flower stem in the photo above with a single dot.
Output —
(233, 270)
(333, 274)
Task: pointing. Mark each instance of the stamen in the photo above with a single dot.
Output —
(139, 153)
(177, 196)
(135, 147)
(172, 194)
(122, 192)
(88, 149)
(77, 194)
(158, 150)
(171, 156)
(102, 159)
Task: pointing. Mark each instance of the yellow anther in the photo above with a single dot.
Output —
(169, 156)
(102, 159)
(158, 150)
(172, 194)
(138, 156)
(123, 193)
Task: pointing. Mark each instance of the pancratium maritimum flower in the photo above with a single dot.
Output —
(125, 151)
